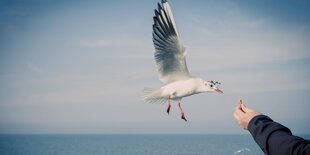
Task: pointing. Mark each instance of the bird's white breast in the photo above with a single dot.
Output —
(179, 89)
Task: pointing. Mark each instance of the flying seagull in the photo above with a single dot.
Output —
(171, 63)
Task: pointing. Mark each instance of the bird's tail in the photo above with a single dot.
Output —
(153, 95)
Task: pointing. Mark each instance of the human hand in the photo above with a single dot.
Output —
(243, 114)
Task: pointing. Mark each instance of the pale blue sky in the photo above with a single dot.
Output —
(80, 67)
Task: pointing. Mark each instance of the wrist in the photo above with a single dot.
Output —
(255, 121)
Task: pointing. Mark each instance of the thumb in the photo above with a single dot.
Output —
(244, 108)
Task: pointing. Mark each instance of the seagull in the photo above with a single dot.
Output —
(171, 64)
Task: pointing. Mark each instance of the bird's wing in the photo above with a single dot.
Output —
(170, 53)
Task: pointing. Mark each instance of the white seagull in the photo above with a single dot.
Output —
(171, 63)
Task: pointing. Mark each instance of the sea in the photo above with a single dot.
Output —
(132, 144)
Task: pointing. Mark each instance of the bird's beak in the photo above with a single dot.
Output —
(218, 90)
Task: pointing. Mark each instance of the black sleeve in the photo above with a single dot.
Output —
(276, 139)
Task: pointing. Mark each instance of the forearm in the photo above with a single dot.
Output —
(274, 138)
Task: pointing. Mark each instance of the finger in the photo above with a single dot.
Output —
(244, 108)
(241, 103)
(237, 118)
(239, 112)
(239, 100)
(238, 106)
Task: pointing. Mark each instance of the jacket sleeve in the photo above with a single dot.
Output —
(276, 139)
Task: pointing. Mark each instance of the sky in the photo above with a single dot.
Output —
(80, 66)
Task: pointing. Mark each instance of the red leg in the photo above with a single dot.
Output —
(182, 113)
(169, 105)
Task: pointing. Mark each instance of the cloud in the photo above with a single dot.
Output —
(261, 81)
(121, 41)
(243, 41)
(33, 67)
(96, 43)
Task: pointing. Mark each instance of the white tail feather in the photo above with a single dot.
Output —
(153, 95)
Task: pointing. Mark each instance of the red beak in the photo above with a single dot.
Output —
(218, 90)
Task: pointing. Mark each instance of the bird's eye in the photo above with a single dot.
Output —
(211, 85)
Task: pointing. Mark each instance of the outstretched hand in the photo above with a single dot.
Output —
(243, 114)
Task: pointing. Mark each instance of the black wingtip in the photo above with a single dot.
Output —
(156, 12)
(159, 7)
(154, 19)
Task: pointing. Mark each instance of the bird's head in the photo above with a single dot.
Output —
(212, 86)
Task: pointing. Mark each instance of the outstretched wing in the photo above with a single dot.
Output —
(170, 53)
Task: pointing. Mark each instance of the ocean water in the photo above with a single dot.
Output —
(128, 145)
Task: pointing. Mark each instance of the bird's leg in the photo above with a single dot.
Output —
(182, 113)
(169, 105)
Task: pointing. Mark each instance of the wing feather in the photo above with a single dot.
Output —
(169, 50)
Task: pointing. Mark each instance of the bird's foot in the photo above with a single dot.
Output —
(183, 117)
(168, 109)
